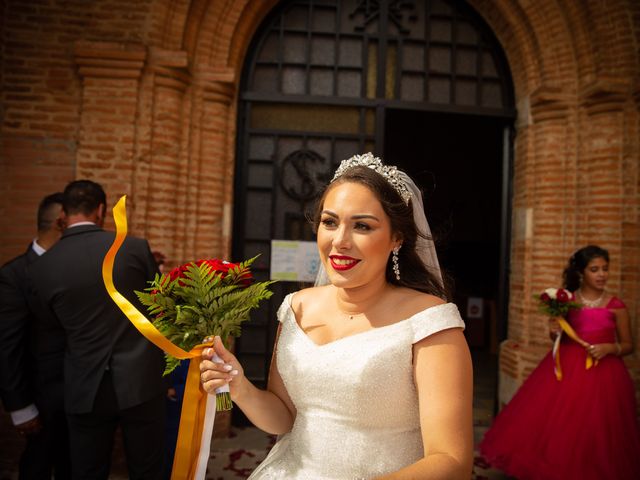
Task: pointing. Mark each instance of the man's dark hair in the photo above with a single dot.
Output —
(48, 211)
(83, 196)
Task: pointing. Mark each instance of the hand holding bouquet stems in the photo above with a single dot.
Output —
(227, 371)
(554, 327)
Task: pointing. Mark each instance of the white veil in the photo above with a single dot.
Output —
(425, 248)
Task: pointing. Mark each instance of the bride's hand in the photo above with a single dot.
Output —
(215, 375)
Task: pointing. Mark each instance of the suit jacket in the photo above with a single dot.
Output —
(31, 343)
(68, 279)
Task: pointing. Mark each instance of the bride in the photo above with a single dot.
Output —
(371, 375)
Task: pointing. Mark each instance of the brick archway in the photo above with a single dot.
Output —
(576, 147)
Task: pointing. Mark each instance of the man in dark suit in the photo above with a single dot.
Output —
(113, 375)
(31, 352)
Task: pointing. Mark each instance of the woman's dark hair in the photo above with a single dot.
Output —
(413, 273)
(578, 262)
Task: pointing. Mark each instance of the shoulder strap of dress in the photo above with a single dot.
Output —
(284, 308)
(435, 319)
(615, 303)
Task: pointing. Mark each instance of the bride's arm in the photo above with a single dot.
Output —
(270, 410)
(444, 379)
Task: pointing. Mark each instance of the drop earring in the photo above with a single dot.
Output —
(394, 259)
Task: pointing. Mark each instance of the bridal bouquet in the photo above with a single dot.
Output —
(201, 299)
(191, 302)
(556, 302)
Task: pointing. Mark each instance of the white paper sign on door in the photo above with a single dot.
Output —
(294, 260)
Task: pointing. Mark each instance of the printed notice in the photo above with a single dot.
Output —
(294, 261)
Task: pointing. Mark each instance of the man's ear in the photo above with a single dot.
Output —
(61, 221)
(102, 211)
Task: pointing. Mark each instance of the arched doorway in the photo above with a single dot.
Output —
(423, 83)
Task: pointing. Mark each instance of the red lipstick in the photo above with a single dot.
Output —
(342, 263)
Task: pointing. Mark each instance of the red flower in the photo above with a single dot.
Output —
(556, 302)
(217, 266)
(178, 272)
(222, 268)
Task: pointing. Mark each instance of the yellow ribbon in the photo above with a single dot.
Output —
(571, 333)
(195, 398)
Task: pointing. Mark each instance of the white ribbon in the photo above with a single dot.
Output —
(207, 429)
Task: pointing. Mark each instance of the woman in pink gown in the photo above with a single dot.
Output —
(583, 426)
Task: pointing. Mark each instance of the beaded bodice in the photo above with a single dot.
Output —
(356, 401)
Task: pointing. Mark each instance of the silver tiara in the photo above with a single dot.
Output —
(389, 172)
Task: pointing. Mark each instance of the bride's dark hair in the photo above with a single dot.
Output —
(413, 273)
(578, 262)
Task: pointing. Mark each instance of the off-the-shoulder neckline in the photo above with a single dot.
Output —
(299, 329)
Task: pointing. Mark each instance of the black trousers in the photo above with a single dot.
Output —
(47, 451)
(92, 436)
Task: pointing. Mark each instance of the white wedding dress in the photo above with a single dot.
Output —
(357, 406)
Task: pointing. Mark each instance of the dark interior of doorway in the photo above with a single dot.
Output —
(457, 161)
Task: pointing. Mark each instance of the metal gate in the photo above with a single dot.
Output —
(317, 81)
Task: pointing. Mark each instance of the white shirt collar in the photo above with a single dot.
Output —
(80, 223)
(37, 248)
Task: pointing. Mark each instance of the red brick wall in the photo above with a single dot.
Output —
(42, 99)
